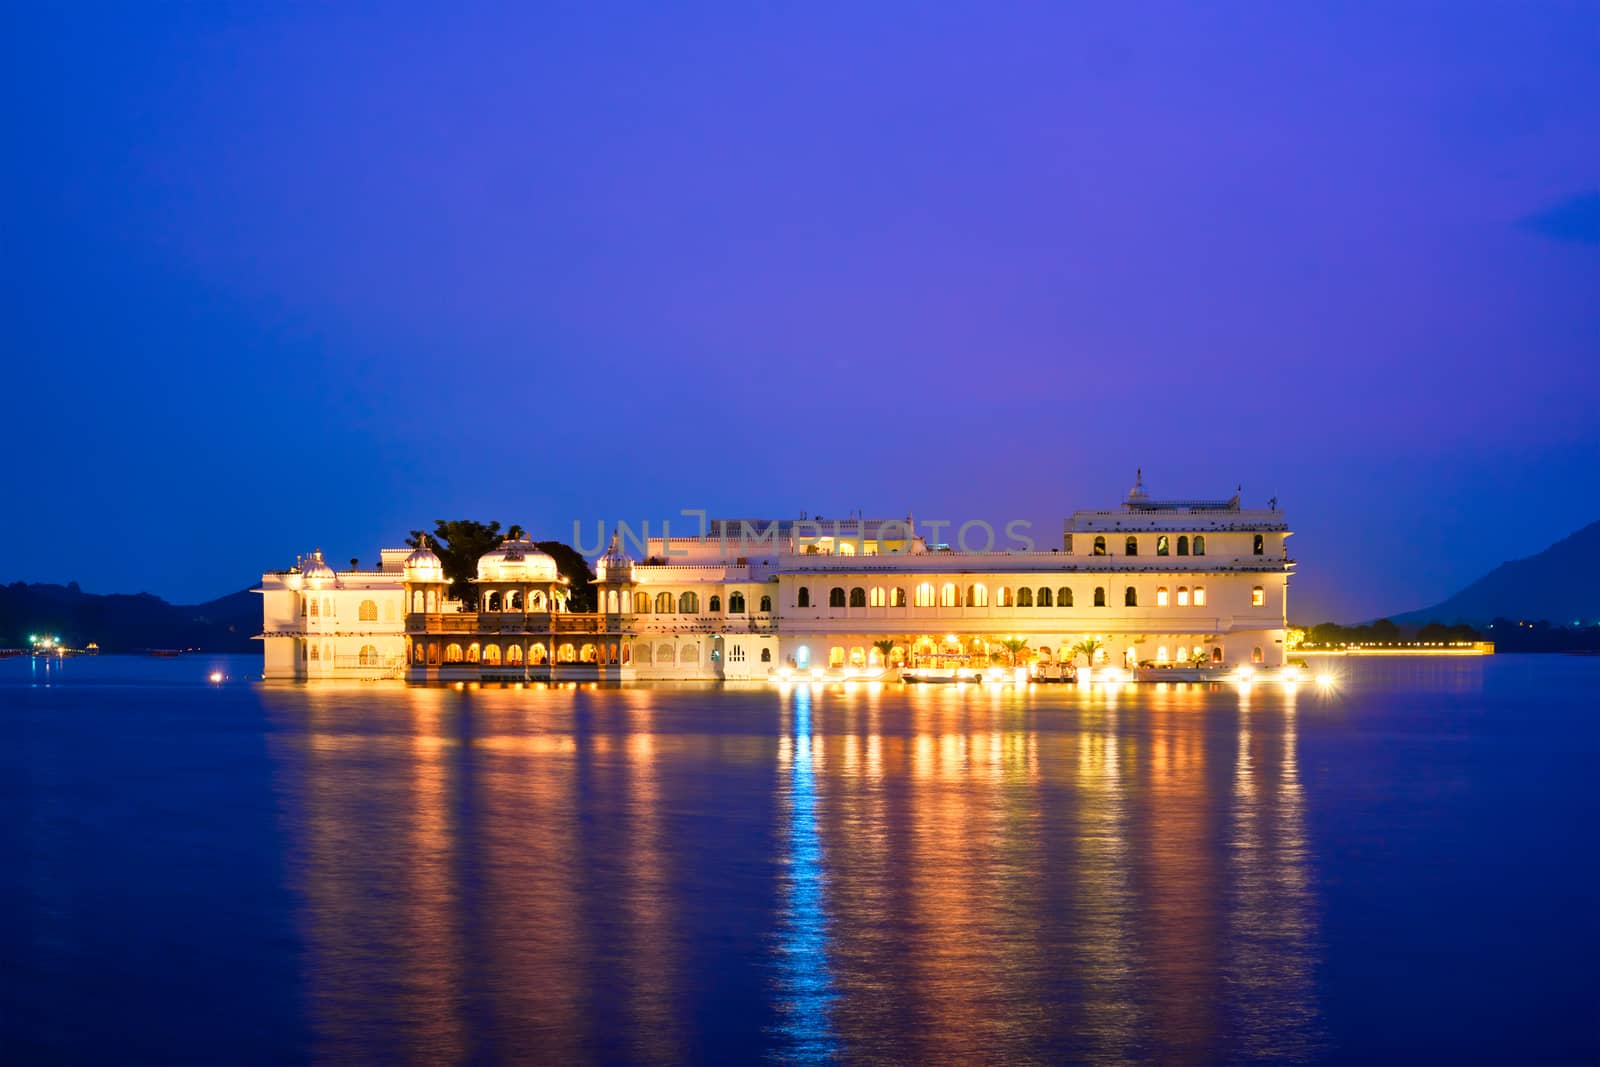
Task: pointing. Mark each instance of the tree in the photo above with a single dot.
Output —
(1014, 646)
(884, 647)
(459, 543)
(1086, 648)
(575, 569)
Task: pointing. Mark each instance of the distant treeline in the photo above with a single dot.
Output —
(1508, 635)
(1387, 632)
(1512, 635)
(126, 622)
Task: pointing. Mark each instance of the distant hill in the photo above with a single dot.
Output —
(1560, 584)
(121, 622)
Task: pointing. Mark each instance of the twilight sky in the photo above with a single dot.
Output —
(282, 275)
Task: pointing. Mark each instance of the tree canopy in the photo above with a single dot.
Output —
(460, 542)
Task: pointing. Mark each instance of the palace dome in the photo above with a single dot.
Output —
(517, 560)
(1138, 490)
(615, 565)
(315, 568)
(423, 566)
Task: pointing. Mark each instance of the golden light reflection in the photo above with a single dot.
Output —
(1103, 873)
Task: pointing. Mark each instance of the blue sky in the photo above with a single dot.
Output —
(283, 276)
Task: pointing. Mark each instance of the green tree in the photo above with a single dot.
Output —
(1086, 648)
(1013, 647)
(884, 647)
(459, 543)
(575, 569)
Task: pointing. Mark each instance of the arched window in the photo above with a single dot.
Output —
(513, 655)
(1003, 597)
(453, 653)
(586, 654)
(1183, 544)
(1255, 655)
(1199, 596)
(314, 651)
(1045, 600)
(897, 597)
(1161, 545)
(1258, 597)
(766, 605)
(536, 602)
(1161, 596)
(664, 654)
(802, 599)
(878, 598)
(664, 603)
(537, 654)
(314, 610)
(1024, 597)
(641, 603)
(1259, 545)
(925, 595)
(418, 653)
(689, 603)
(368, 656)
(977, 596)
(1099, 596)
(858, 656)
(368, 611)
(472, 652)
(715, 604)
(735, 603)
(494, 602)
(836, 656)
(766, 655)
(836, 597)
(1130, 597)
(1064, 597)
(644, 654)
(1131, 547)
(947, 595)
(1183, 596)
(1199, 544)
(327, 607)
(491, 655)
(566, 653)
(1099, 546)
(858, 597)
(1216, 654)
(1161, 654)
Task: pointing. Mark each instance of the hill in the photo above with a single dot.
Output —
(120, 622)
(1560, 584)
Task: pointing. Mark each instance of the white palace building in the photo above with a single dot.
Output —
(1156, 584)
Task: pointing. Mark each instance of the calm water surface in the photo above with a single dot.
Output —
(1403, 870)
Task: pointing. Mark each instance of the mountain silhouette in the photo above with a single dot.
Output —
(120, 622)
(1560, 585)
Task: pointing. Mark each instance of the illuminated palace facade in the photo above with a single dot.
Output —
(1155, 582)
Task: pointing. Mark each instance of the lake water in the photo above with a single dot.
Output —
(1403, 869)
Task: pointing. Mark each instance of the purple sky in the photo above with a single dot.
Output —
(287, 276)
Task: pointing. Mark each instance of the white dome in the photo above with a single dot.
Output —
(517, 560)
(615, 565)
(423, 566)
(1138, 492)
(314, 568)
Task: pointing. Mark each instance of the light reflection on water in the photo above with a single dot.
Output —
(857, 872)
